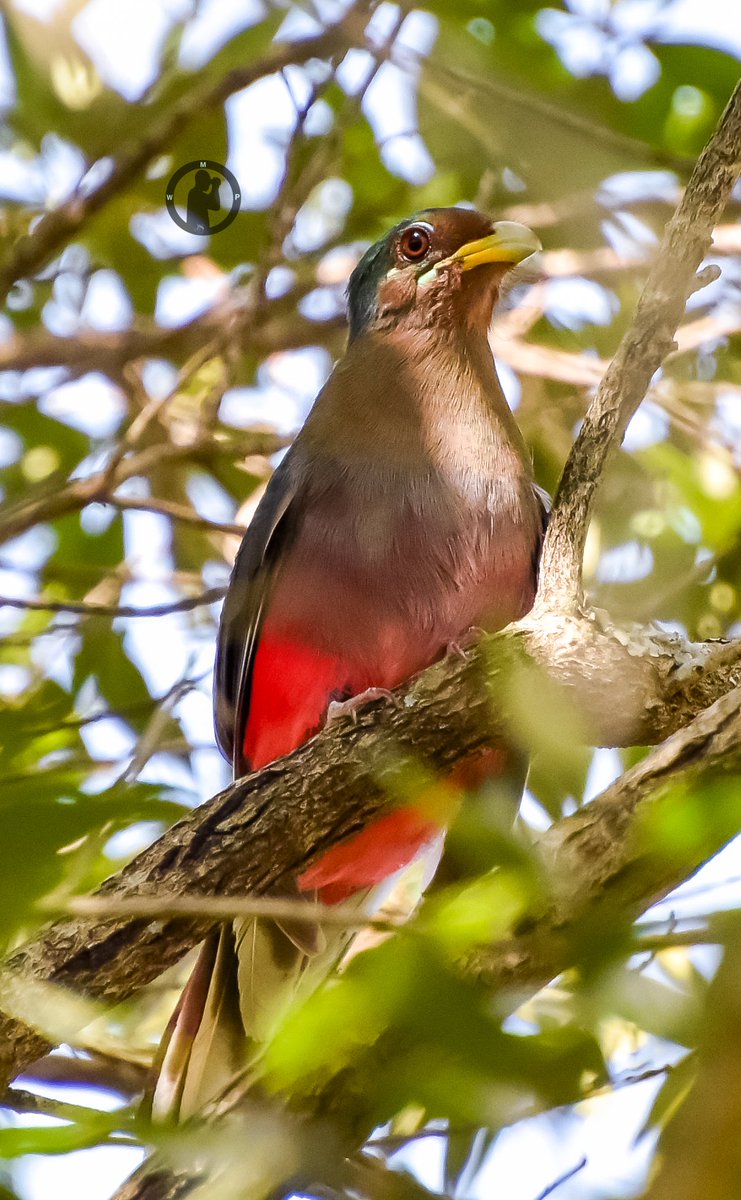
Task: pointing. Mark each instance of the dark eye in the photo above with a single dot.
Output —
(414, 243)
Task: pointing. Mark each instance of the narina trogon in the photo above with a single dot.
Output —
(404, 513)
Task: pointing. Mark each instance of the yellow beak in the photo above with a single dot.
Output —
(509, 243)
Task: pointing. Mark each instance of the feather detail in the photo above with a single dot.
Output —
(291, 687)
(203, 1046)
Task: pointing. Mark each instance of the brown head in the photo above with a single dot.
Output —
(440, 266)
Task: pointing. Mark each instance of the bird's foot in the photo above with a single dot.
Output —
(455, 650)
(462, 646)
(349, 708)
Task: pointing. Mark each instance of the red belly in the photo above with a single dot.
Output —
(292, 687)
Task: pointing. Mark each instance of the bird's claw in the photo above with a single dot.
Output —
(455, 650)
(461, 647)
(349, 708)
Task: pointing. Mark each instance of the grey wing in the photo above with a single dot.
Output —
(244, 607)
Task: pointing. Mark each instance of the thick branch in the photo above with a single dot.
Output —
(597, 867)
(270, 825)
(596, 861)
(643, 349)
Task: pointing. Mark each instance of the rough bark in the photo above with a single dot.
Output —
(597, 871)
(271, 824)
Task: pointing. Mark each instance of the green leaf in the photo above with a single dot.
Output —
(59, 1139)
(45, 812)
(415, 1033)
(102, 657)
(50, 451)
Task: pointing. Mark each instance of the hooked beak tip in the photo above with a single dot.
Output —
(509, 242)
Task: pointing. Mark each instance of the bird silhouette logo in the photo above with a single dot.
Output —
(196, 196)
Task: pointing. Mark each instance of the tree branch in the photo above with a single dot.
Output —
(176, 512)
(566, 366)
(597, 864)
(210, 908)
(597, 869)
(30, 253)
(51, 501)
(84, 609)
(628, 686)
(271, 825)
(280, 328)
(644, 347)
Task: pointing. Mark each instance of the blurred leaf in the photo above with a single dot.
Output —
(101, 551)
(102, 657)
(43, 812)
(58, 1139)
(50, 450)
(54, 1011)
(479, 913)
(398, 1007)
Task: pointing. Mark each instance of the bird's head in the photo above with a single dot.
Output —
(441, 267)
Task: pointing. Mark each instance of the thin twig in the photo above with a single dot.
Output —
(23, 1102)
(654, 942)
(222, 908)
(93, 350)
(152, 738)
(562, 1179)
(451, 89)
(102, 1070)
(177, 512)
(54, 230)
(153, 407)
(49, 503)
(688, 931)
(84, 609)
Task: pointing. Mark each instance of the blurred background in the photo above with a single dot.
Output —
(151, 378)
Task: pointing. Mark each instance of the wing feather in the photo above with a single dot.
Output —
(244, 608)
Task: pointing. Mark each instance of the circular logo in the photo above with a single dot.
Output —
(195, 190)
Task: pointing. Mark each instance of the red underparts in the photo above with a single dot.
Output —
(292, 686)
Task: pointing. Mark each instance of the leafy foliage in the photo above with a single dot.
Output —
(147, 381)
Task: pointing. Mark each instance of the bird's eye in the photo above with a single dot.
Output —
(414, 243)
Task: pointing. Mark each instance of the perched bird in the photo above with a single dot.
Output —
(404, 513)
